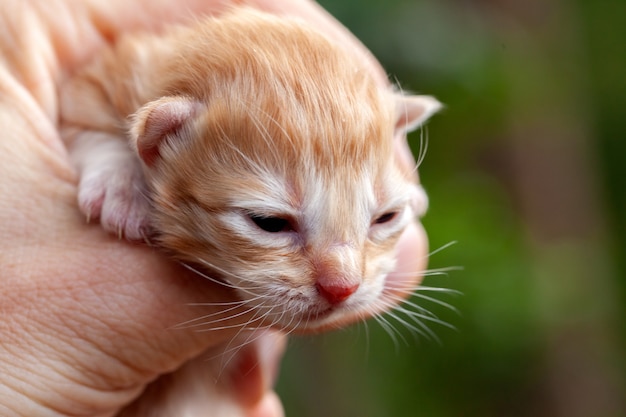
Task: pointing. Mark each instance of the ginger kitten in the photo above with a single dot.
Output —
(255, 150)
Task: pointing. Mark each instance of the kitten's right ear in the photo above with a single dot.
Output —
(158, 120)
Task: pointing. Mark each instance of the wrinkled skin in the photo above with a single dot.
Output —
(86, 318)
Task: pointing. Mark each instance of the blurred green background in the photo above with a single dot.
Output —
(526, 171)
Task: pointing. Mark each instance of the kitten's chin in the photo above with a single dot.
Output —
(333, 318)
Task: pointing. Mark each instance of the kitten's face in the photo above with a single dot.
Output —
(301, 217)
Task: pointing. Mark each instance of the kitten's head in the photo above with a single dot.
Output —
(280, 177)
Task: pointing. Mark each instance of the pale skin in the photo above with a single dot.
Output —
(86, 318)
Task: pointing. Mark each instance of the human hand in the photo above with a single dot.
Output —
(85, 317)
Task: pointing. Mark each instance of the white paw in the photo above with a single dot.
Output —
(112, 187)
(118, 198)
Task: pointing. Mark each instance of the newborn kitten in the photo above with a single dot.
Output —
(256, 149)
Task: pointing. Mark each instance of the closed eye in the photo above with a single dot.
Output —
(272, 224)
(386, 217)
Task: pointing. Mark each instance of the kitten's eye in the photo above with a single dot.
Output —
(385, 218)
(272, 224)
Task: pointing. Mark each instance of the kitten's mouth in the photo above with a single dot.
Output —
(317, 321)
(314, 316)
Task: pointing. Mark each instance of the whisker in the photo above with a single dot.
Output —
(250, 283)
(434, 274)
(231, 347)
(430, 272)
(401, 302)
(408, 312)
(419, 327)
(436, 301)
(442, 247)
(232, 326)
(439, 289)
(217, 281)
(428, 317)
(191, 323)
(443, 269)
(219, 304)
(203, 275)
(423, 129)
(236, 344)
(233, 305)
(207, 316)
(389, 329)
(423, 146)
(255, 309)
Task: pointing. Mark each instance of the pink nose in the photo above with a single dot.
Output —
(337, 292)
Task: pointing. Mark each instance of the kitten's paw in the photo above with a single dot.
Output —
(117, 197)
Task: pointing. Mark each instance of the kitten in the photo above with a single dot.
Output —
(257, 150)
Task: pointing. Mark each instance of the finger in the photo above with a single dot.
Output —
(411, 258)
(256, 367)
(111, 18)
(269, 406)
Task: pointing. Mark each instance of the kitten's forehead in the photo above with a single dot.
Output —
(331, 134)
(288, 90)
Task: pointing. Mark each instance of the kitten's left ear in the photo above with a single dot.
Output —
(157, 121)
(413, 111)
